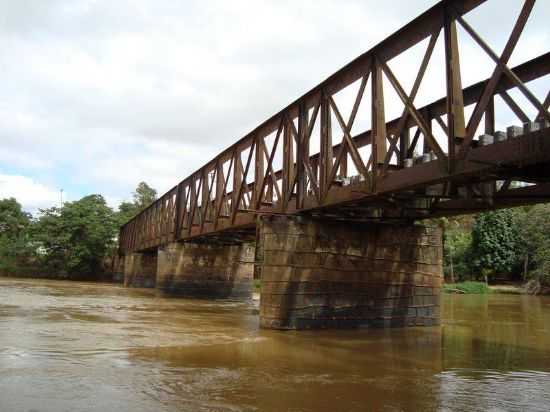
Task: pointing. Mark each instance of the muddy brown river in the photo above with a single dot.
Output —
(71, 346)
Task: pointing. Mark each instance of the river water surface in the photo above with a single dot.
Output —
(68, 346)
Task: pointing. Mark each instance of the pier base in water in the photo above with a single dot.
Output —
(140, 270)
(320, 274)
(206, 271)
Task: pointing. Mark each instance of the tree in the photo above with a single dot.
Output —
(14, 243)
(534, 230)
(457, 251)
(144, 195)
(457, 241)
(75, 238)
(126, 211)
(13, 220)
(495, 243)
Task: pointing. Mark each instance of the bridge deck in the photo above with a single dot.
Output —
(426, 162)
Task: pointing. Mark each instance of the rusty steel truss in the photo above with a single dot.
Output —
(377, 174)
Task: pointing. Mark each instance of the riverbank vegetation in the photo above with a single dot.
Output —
(71, 241)
(468, 287)
(509, 245)
(481, 288)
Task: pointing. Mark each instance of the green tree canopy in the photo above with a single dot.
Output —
(75, 238)
(126, 211)
(457, 242)
(13, 220)
(534, 228)
(143, 196)
(495, 242)
(14, 243)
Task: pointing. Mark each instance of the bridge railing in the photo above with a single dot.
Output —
(293, 162)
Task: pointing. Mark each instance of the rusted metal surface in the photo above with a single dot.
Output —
(370, 175)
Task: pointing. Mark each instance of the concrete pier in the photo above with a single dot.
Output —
(140, 270)
(319, 274)
(206, 270)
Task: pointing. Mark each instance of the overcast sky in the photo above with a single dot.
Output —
(97, 95)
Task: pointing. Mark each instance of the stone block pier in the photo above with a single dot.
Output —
(319, 274)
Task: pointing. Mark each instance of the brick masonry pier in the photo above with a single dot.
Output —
(206, 270)
(320, 274)
(140, 269)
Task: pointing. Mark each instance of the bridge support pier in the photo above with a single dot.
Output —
(140, 270)
(205, 270)
(320, 274)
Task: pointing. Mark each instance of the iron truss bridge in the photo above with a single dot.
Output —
(329, 157)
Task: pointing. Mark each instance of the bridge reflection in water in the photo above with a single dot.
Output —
(323, 169)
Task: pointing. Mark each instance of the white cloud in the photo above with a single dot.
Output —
(31, 194)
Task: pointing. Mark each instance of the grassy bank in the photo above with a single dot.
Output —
(480, 288)
(471, 288)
